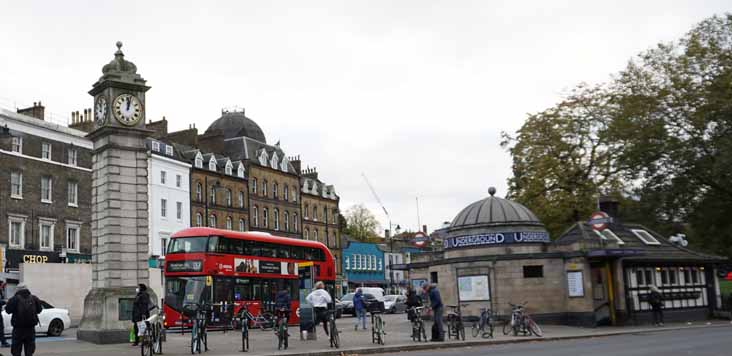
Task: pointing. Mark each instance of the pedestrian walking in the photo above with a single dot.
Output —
(655, 298)
(359, 307)
(24, 308)
(140, 309)
(3, 340)
(438, 309)
(319, 299)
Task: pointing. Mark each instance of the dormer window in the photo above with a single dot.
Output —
(156, 146)
(273, 161)
(263, 158)
(607, 234)
(240, 171)
(199, 161)
(169, 150)
(644, 236)
(285, 163)
(228, 168)
(212, 164)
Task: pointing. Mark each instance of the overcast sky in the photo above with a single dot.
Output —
(412, 93)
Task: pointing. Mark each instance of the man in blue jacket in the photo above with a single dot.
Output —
(359, 308)
(437, 311)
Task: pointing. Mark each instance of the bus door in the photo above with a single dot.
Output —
(306, 273)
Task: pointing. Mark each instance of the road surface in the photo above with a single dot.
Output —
(697, 342)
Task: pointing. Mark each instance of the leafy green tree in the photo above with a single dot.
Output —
(361, 223)
(563, 156)
(658, 136)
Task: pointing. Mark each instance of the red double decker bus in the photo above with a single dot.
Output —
(223, 266)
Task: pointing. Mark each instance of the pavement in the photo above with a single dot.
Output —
(398, 339)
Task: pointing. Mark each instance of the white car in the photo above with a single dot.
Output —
(53, 321)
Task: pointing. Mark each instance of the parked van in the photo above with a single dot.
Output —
(375, 291)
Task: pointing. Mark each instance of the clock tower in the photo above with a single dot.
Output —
(119, 222)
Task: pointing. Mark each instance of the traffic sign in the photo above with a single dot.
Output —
(599, 220)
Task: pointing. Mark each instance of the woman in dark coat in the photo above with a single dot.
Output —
(655, 298)
(140, 308)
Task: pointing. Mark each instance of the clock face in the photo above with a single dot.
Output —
(127, 109)
(100, 111)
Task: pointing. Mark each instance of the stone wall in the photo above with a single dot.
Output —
(220, 209)
(61, 285)
(271, 201)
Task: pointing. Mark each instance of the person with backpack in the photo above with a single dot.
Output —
(655, 299)
(24, 308)
(140, 309)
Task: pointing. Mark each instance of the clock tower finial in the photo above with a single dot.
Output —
(119, 94)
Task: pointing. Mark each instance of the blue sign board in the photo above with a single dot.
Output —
(497, 238)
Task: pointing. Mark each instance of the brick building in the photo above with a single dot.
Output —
(45, 201)
(320, 214)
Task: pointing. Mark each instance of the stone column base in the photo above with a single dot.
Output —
(101, 322)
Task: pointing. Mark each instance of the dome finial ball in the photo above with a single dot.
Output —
(119, 44)
(492, 191)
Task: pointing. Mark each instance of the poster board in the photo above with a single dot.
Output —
(575, 284)
(473, 288)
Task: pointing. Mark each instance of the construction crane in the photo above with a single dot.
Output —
(376, 196)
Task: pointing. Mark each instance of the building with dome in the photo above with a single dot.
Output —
(496, 252)
(282, 197)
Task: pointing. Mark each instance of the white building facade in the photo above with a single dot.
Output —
(169, 200)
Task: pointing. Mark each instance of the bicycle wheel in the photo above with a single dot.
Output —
(157, 340)
(507, 327)
(334, 335)
(381, 332)
(461, 330)
(490, 328)
(476, 330)
(194, 338)
(267, 322)
(281, 336)
(534, 327)
(424, 332)
(145, 349)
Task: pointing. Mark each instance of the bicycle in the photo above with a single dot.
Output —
(333, 333)
(199, 337)
(418, 330)
(521, 322)
(484, 326)
(377, 328)
(153, 335)
(281, 329)
(455, 326)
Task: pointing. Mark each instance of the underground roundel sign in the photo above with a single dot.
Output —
(420, 239)
(599, 220)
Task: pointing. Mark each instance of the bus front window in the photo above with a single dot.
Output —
(184, 290)
(187, 245)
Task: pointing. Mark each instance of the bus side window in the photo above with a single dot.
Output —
(256, 290)
(236, 247)
(296, 252)
(213, 242)
(283, 251)
(267, 250)
(308, 254)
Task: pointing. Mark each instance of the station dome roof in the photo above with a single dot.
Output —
(493, 211)
(236, 124)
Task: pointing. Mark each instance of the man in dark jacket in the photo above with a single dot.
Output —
(283, 302)
(24, 308)
(655, 298)
(438, 333)
(413, 301)
(140, 309)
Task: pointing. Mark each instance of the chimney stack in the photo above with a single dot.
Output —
(609, 205)
(37, 110)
